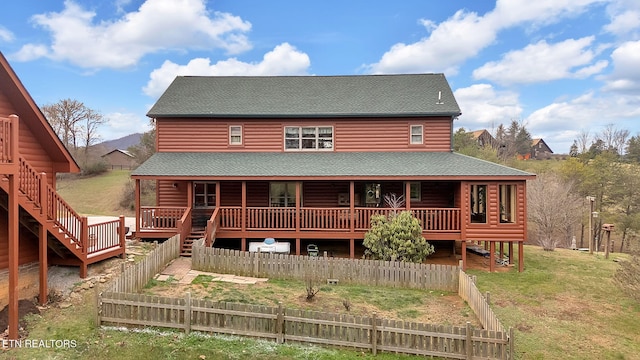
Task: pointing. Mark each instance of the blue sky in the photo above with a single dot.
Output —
(561, 67)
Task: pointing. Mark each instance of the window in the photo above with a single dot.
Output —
(415, 191)
(507, 203)
(235, 135)
(416, 134)
(204, 194)
(478, 203)
(282, 194)
(308, 138)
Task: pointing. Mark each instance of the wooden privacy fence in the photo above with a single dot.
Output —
(469, 292)
(303, 326)
(135, 277)
(351, 271)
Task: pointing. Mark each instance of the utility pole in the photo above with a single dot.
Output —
(591, 199)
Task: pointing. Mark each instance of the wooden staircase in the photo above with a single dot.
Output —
(71, 240)
(197, 233)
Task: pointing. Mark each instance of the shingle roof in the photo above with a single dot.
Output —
(307, 96)
(322, 164)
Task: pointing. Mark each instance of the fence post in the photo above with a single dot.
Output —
(187, 313)
(511, 343)
(488, 296)
(280, 324)
(469, 341)
(98, 306)
(374, 334)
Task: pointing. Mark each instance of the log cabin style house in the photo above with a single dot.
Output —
(37, 227)
(309, 159)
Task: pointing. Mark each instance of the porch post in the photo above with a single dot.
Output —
(407, 196)
(243, 245)
(352, 225)
(501, 249)
(298, 192)
(137, 194)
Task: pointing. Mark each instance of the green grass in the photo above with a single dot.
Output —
(96, 195)
(565, 305)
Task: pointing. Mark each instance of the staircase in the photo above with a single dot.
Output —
(197, 233)
(71, 240)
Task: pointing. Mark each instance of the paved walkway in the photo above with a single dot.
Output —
(180, 270)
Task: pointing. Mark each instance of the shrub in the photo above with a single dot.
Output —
(96, 168)
(397, 237)
(628, 277)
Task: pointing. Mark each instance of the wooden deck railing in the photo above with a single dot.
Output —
(325, 219)
(266, 218)
(8, 131)
(438, 219)
(231, 217)
(184, 225)
(160, 217)
(105, 235)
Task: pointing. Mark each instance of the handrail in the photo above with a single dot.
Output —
(66, 219)
(212, 226)
(184, 225)
(8, 139)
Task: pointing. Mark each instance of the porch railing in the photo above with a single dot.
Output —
(160, 217)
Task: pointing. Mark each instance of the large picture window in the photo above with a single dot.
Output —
(308, 138)
(478, 203)
(282, 194)
(507, 203)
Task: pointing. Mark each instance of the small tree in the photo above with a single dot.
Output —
(397, 237)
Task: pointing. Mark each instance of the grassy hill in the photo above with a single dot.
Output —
(96, 195)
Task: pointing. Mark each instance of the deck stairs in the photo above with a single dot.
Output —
(197, 233)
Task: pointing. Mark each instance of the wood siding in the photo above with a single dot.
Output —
(367, 134)
(28, 247)
(493, 229)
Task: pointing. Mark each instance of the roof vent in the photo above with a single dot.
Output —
(439, 102)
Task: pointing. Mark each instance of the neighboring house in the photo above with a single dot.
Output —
(308, 160)
(484, 138)
(539, 151)
(37, 227)
(119, 159)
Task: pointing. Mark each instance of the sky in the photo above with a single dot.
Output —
(562, 68)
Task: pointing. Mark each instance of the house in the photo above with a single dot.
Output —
(119, 159)
(539, 151)
(309, 160)
(484, 139)
(37, 227)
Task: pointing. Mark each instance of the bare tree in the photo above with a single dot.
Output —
(74, 123)
(553, 209)
(584, 141)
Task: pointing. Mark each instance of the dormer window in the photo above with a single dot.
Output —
(308, 138)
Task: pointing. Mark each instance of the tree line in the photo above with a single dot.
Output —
(601, 171)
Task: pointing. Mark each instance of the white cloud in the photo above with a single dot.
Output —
(485, 108)
(541, 62)
(624, 23)
(465, 34)
(5, 35)
(626, 71)
(158, 25)
(123, 124)
(284, 59)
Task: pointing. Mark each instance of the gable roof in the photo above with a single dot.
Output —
(29, 113)
(344, 165)
(535, 142)
(125, 152)
(307, 96)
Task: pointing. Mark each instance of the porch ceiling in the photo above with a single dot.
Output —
(324, 165)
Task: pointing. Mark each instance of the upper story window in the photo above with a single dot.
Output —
(478, 198)
(507, 203)
(416, 134)
(235, 135)
(308, 138)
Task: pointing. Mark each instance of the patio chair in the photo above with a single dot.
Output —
(312, 250)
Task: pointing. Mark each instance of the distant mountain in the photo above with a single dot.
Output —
(123, 143)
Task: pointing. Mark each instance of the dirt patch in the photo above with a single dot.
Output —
(25, 307)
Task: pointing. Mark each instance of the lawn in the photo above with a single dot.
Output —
(96, 195)
(563, 306)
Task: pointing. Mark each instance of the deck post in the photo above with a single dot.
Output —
(520, 256)
(464, 255)
(13, 252)
(121, 235)
(243, 222)
(510, 252)
(43, 266)
(492, 256)
(137, 201)
(43, 194)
